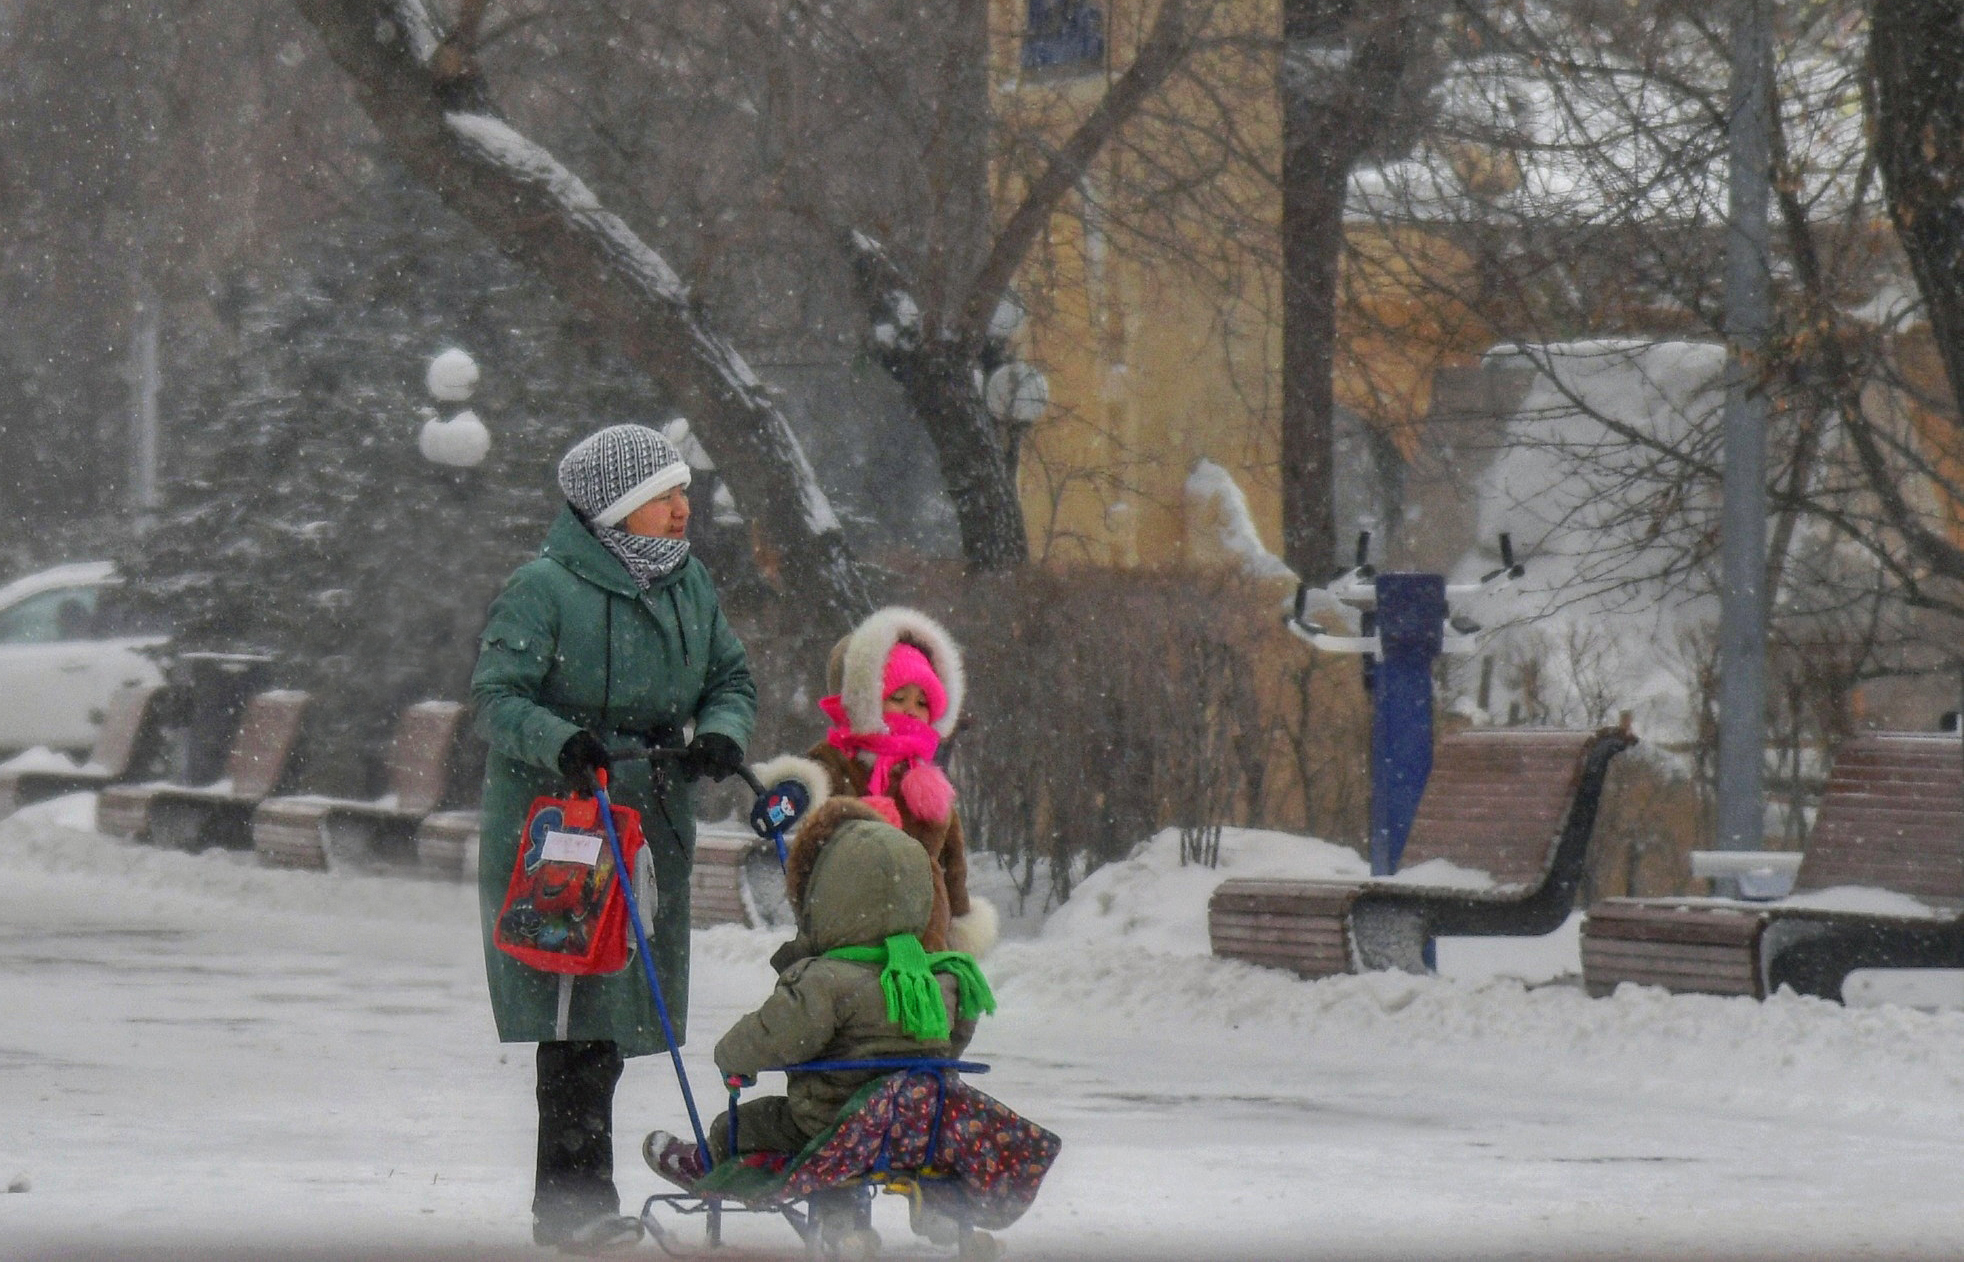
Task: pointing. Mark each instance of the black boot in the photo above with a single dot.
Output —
(574, 1203)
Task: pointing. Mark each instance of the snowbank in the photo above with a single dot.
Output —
(55, 843)
(1153, 902)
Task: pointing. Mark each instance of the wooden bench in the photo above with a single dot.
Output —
(1513, 808)
(446, 845)
(192, 818)
(736, 880)
(1891, 823)
(127, 740)
(310, 831)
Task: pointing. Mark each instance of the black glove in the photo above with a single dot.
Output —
(712, 754)
(581, 756)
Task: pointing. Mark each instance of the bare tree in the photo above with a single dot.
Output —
(1915, 49)
(938, 348)
(422, 89)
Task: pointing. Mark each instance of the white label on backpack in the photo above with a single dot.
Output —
(572, 848)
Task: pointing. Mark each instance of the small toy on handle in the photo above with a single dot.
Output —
(788, 789)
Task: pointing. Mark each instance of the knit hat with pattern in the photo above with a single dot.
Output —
(610, 474)
(606, 476)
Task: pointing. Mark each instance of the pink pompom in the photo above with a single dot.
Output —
(927, 793)
(884, 806)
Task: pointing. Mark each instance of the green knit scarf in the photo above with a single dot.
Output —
(913, 996)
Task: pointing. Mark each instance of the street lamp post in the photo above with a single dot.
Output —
(1741, 816)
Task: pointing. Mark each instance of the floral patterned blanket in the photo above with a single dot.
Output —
(959, 1143)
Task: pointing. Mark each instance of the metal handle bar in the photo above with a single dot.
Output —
(673, 753)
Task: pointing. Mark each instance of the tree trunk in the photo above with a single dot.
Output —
(935, 356)
(974, 463)
(1343, 64)
(1916, 69)
(1312, 250)
(937, 375)
(425, 100)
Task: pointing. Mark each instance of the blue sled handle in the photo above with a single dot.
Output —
(624, 880)
(828, 1066)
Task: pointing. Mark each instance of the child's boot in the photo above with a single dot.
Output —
(673, 1158)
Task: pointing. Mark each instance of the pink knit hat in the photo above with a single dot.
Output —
(908, 665)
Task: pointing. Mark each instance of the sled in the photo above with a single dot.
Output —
(966, 1163)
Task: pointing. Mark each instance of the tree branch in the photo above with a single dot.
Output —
(1166, 47)
(449, 136)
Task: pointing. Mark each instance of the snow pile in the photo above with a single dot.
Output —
(1220, 529)
(42, 760)
(1154, 902)
(1442, 874)
(1786, 1053)
(1866, 900)
(55, 842)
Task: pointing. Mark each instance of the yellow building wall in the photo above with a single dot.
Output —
(1152, 368)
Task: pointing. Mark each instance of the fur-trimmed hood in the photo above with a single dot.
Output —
(861, 660)
(812, 834)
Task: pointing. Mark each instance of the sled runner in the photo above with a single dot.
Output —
(966, 1163)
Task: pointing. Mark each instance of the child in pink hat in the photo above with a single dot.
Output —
(898, 686)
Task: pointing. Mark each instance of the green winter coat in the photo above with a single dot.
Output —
(573, 643)
(870, 881)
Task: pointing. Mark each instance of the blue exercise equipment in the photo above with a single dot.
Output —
(1405, 623)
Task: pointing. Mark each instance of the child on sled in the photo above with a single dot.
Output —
(868, 991)
(869, 894)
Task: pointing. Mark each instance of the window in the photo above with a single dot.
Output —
(1064, 34)
(67, 613)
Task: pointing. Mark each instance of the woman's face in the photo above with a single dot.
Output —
(907, 699)
(663, 517)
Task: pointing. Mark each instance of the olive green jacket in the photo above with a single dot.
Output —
(870, 881)
(573, 643)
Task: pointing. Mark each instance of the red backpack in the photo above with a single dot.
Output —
(564, 911)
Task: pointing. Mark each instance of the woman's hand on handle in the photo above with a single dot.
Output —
(580, 758)
(714, 755)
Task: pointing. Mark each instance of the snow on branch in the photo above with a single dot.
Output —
(1219, 524)
(443, 128)
(497, 143)
(413, 18)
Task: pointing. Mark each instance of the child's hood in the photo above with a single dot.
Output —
(856, 880)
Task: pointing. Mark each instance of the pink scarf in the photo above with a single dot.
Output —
(908, 747)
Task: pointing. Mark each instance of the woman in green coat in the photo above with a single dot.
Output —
(611, 640)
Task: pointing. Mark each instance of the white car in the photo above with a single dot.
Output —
(58, 663)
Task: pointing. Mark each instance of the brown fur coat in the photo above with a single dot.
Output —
(943, 843)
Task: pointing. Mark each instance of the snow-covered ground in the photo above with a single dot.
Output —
(196, 1054)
